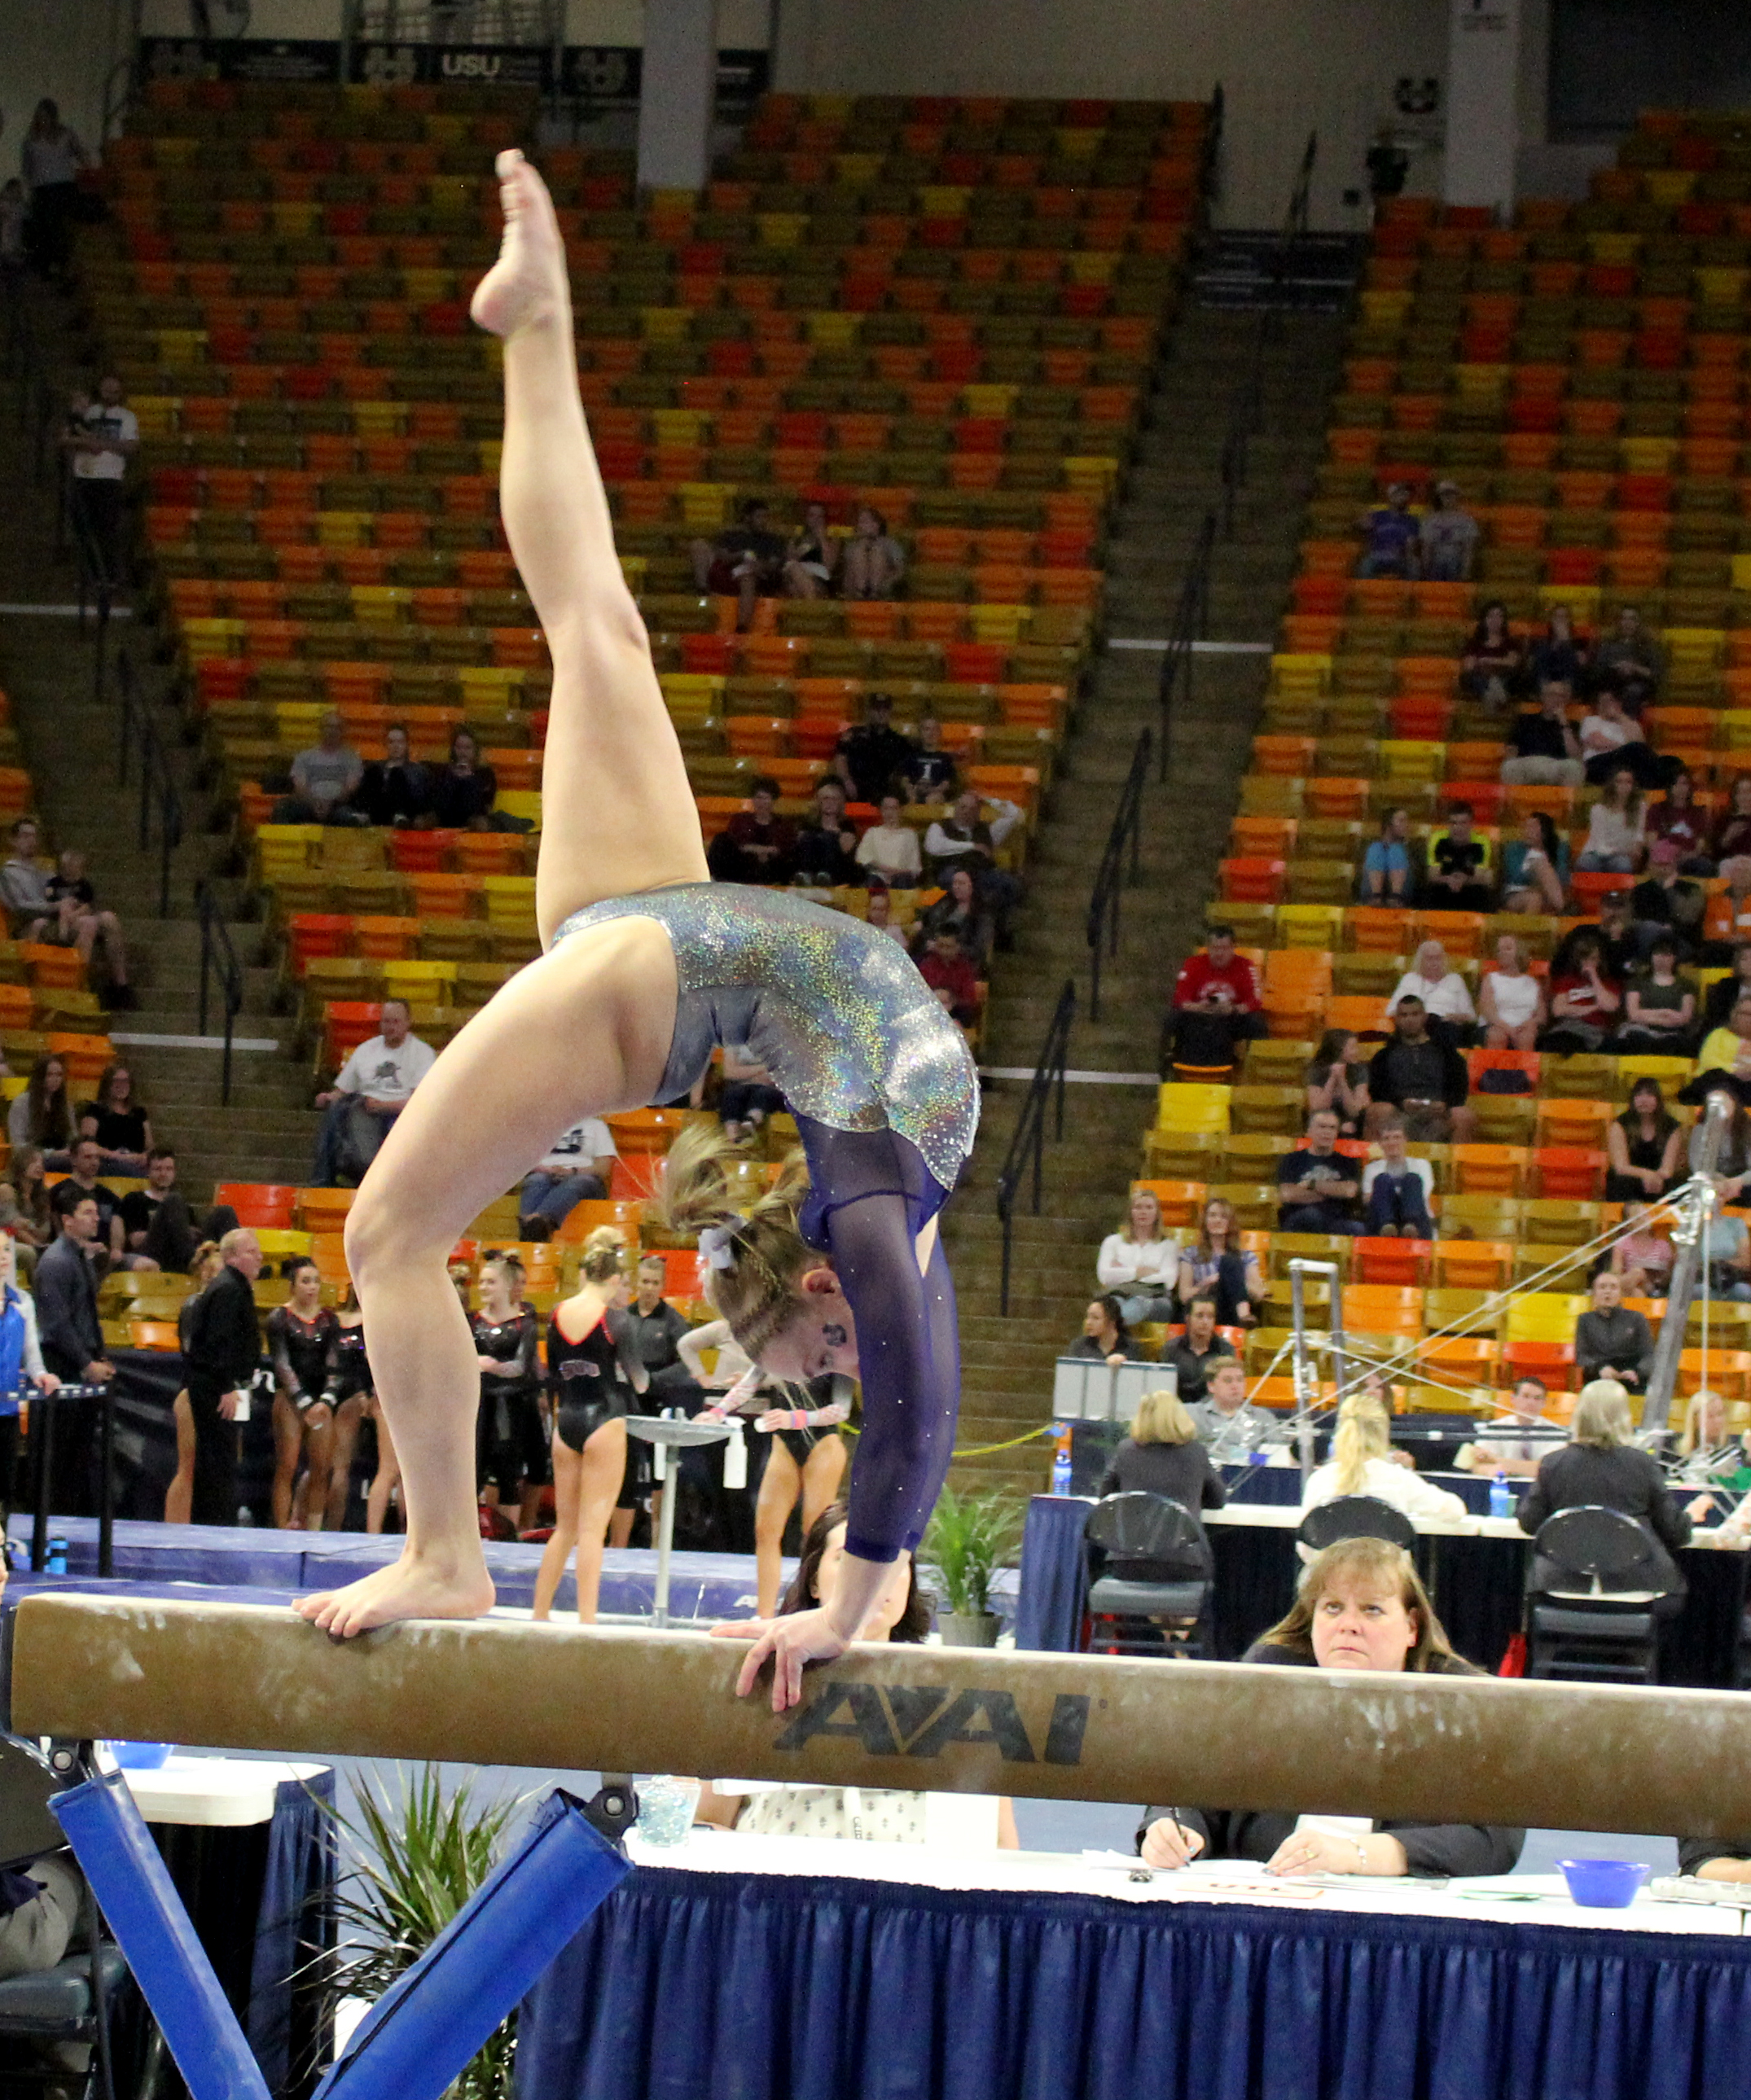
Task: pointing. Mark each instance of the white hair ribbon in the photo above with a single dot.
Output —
(715, 1247)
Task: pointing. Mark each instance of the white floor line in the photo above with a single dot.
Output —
(1198, 648)
(140, 1042)
(59, 611)
(1076, 1078)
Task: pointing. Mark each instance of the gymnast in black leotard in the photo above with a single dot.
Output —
(510, 1441)
(593, 1372)
(298, 1336)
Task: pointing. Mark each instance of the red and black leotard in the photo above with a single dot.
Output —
(593, 1378)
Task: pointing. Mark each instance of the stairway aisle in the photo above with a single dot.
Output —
(1174, 480)
(70, 745)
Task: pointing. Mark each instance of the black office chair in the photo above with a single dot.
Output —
(1355, 1516)
(1593, 1610)
(75, 2001)
(1156, 1567)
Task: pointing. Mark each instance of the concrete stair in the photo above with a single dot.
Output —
(1175, 481)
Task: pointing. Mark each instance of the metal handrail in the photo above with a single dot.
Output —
(158, 795)
(1120, 861)
(1027, 1143)
(219, 960)
(1190, 624)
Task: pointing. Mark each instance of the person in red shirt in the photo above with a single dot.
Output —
(952, 976)
(1216, 1006)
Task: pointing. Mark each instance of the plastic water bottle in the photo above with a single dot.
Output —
(1061, 1461)
(1500, 1496)
(57, 1556)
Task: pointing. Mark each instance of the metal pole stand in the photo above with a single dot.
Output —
(668, 1432)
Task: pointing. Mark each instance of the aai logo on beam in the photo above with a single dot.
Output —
(923, 1721)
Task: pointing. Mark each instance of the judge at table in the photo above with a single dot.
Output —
(1602, 1469)
(1229, 1426)
(1360, 1605)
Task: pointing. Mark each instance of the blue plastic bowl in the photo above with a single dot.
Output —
(1604, 1884)
(141, 1756)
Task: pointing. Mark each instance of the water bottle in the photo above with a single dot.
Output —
(1061, 1461)
(1500, 1496)
(57, 1556)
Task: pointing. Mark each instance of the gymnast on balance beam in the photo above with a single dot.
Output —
(648, 966)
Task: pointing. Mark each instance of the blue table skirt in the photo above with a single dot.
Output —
(714, 1987)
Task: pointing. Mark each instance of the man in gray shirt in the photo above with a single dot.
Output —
(1227, 1424)
(325, 779)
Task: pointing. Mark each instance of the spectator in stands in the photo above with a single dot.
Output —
(1643, 1258)
(578, 1167)
(156, 1221)
(930, 773)
(1458, 877)
(1729, 843)
(1665, 905)
(1612, 742)
(1642, 1146)
(465, 789)
(951, 976)
(1660, 1007)
(1363, 1462)
(872, 755)
(1216, 1006)
(51, 159)
(1336, 1078)
(1546, 749)
(1229, 1426)
(1511, 1003)
(826, 849)
(747, 1097)
(1443, 992)
(959, 909)
(1421, 1077)
(1104, 1335)
(69, 890)
(1385, 877)
(1631, 659)
(1500, 1449)
(1600, 1468)
(1732, 1164)
(325, 779)
(24, 1214)
(1677, 819)
(99, 448)
(1725, 993)
(757, 844)
(1492, 669)
(1390, 536)
(42, 1115)
(1729, 1259)
(65, 1286)
(1615, 827)
(396, 790)
(1535, 868)
(1140, 1261)
(811, 560)
(1317, 1185)
(879, 912)
(1585, 998)
(1397, 1189)
(1619, 943)
(1195, 1355)
(1611, 1341)
(370, 1090)
(117, 1121)
(745, 561)
(1562, 656)
(24, 888)
(85, 1160)
(888, 851)
(874, 564)
(1448, 537)
(966, 838)
(1723, 1064)
(1215, 1260)
(1163, 1455)
(222, 1346)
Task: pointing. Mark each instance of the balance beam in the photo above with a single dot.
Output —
(954, 1720)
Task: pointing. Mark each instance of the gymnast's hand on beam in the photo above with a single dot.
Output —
(798, 1637)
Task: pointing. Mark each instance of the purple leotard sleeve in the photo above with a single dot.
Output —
(870, 1195)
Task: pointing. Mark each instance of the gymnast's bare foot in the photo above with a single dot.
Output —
(528, 284)
(410, 1589)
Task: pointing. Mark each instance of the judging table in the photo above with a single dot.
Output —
(750, 1967)
(1475, 1570)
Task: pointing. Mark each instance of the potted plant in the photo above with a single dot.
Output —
(415, 1862)
(970, 1537)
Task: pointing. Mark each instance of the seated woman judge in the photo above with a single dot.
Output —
(1164, 1456)
(1601, 1467)
(1359, 1605)
(1363, 1462)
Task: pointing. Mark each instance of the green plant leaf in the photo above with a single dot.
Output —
(970, 1537)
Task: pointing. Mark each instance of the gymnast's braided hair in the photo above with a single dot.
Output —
(604, 1255)
(752, 1264)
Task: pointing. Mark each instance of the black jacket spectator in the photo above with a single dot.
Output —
(1432, 1850)
(823, 857)
(459, 799)
(1193, 1372)
(873, 754)
(1619, 1477)
(1396, 1073)
(1619, 1337)
(66, 1294)
(1183, 1472)
(394, 791)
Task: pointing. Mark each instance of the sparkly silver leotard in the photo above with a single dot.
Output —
(886, 1103)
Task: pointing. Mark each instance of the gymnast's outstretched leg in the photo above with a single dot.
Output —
(585, 1030)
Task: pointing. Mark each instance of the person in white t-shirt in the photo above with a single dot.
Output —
(370, 1090)
(889, 850)
(99, 445)
(578, 1167)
